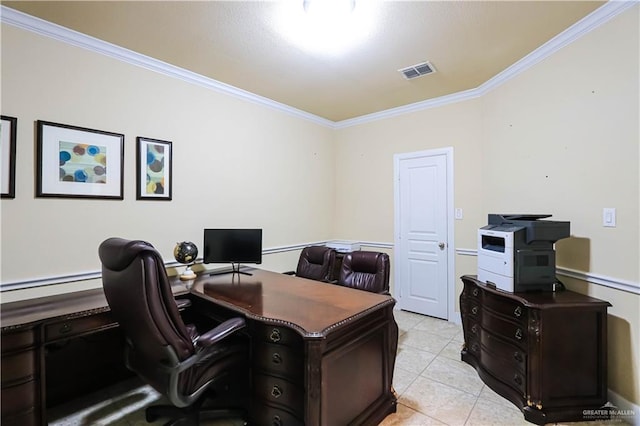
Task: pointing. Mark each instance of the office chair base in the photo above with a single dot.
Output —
(190, 415)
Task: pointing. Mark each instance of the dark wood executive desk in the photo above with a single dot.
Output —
(321, 354)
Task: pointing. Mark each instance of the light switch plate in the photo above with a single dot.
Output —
(458, 213)
(609, 217)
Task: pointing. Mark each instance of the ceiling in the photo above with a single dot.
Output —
(240, 43)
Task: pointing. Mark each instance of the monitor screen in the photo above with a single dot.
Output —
(232, 246)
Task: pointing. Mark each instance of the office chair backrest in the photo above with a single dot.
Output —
(365, 270)
(139, 294)
(316, 262)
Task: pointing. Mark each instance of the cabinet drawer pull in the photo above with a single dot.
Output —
(276, 358)
(519, 334)
(475, 292)
(517, 312)
(474, 329)
(275, 335)
(517, 356)
(65, 328)
(474, 310)
(276, 392)
(277, 421)
(474, 348)
(517, 379)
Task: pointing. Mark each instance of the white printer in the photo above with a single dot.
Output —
(515, 252)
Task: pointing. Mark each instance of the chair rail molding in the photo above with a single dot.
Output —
(92, 275)
(612, 282)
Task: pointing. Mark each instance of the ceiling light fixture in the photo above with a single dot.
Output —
(325, 27)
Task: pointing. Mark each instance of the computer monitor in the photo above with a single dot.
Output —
(235, 246)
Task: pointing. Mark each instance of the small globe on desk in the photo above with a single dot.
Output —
(186, 253)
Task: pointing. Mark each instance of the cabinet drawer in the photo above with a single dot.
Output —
(280, 360)
(505, 306)
(513, 357)
(496, 366)
(18, 367)
(18, 399)
(472, 291)
(14, 340)
(77, 326)
(277, 334)
(280, 391)
(266, 415)
(510, 331)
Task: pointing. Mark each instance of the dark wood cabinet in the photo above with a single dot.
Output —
(546, 352)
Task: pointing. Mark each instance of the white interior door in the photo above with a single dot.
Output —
(422, 232)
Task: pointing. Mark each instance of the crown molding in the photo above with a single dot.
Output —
(568, 36)
(39, 26)
(48, 29)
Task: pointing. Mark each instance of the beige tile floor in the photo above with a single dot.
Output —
(434, 388)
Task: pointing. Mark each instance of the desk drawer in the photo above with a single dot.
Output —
(279, 391)
(18, 399)
(15, 340)
(18, 367)
(267, 415)
(280, 360)
(77, 326)
(277, 335)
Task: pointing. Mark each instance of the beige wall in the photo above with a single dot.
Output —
(561, 138)
(236, 164)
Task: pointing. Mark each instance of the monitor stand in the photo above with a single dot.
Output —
(235, 269)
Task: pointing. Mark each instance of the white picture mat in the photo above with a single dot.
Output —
(144, 143)
(5, 154)
(50, 173)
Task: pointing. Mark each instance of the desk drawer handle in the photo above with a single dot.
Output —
(519, 334)
(475, 292)
(277, 421)
(474, 310)
(518, 356)
(65, 328)
(517, 312)
(276, 358)
(276, 392)
(275, 335)
(474, 329)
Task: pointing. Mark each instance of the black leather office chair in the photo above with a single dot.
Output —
(316, 263)
(365, 270)
(172, 357)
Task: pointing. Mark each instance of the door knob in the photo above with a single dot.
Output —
(441, 245)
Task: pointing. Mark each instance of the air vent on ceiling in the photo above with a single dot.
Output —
(417, 70)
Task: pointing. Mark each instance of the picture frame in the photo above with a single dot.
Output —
(8, 132)
(77, 162)
(154, 173)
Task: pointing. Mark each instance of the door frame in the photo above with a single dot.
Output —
(448, 153)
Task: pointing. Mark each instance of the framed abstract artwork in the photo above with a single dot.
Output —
(8, 126)
(154, 173)
(75, 162)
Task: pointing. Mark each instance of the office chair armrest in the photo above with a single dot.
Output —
(218, 333)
